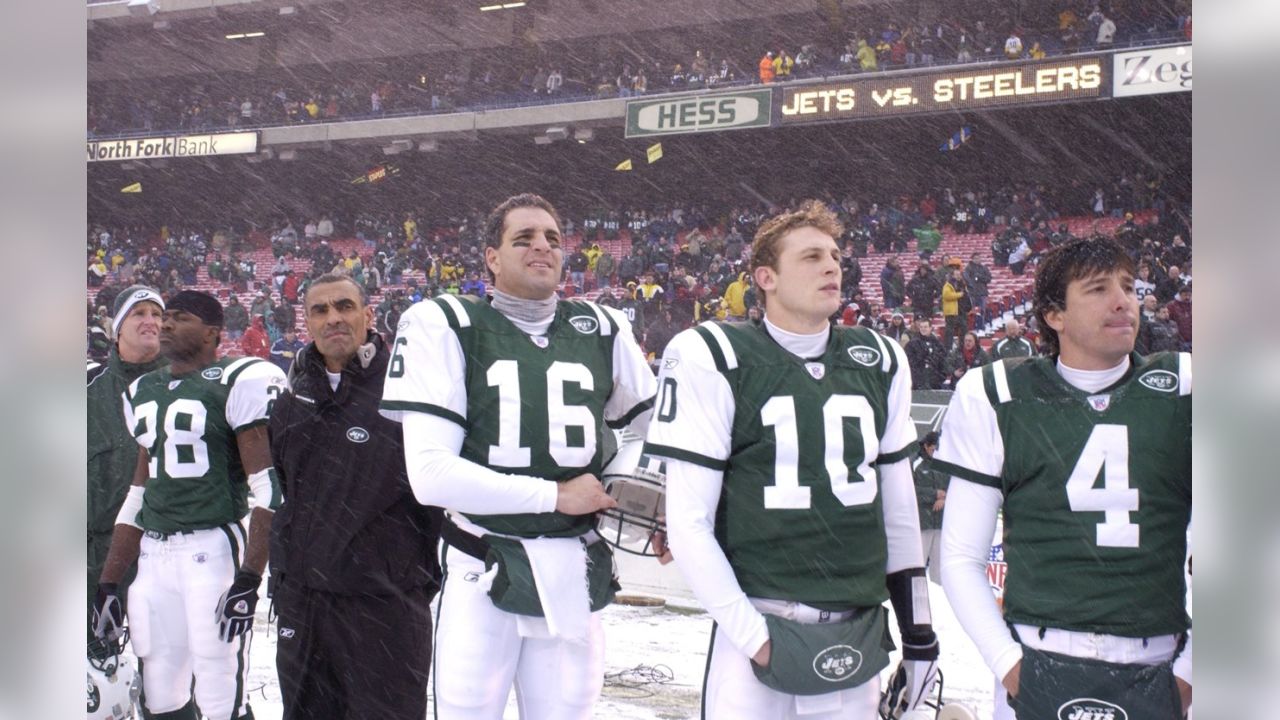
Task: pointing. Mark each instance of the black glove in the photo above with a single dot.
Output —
(108, 613)
(235, 609)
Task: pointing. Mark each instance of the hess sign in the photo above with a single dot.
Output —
(939, 91)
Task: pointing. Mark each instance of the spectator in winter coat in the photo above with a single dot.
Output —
(964, 357)
(892, 284)
(925, 355)
(235, 319)
(1180, 314)
(255, 342)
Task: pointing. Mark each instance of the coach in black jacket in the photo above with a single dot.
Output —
(353, 556)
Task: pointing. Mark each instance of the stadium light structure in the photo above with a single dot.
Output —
(245, 36)
(502, 6)
(583, 135)
(557, 132)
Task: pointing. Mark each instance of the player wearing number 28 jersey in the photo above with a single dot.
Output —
(1088, 453)
(504, 403)
(201, 425)
(790, 502)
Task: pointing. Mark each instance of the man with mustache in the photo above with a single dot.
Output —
(353, 556)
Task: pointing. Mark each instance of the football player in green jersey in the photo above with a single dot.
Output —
(791, 509)
(201, 426)
(504, 402)
(1088, 453)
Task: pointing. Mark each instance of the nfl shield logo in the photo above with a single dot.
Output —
(816, 370)
(1100, 402)
(539, 340)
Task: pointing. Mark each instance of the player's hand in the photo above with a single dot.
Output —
(909, 686)
(1184, 692)
(235, 609)
(582, 495)
(661, 548)
(1010, 680)
(762, 655)
(108, 613)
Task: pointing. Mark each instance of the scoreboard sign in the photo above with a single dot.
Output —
(958, 89)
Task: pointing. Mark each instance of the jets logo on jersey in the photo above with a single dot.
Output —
(1160, 380)
(358, 435)
(540, 340)
(1091, 709)
(584, 324)
(1100, 402)
(816, 370)
(837, 662)
(211, 373)
(864, 355)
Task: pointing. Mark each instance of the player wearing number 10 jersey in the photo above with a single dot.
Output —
(201, 426)
(1088, 452)
(790, 503)
(504, 403)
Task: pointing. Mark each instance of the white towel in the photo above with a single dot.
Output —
(560, 571)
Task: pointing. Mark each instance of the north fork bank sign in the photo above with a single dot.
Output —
(699, 113)
(174, 146)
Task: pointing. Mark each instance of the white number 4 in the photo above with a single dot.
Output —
(1107, 450)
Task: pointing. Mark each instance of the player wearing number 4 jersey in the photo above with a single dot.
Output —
(1088, 452)
(790, 502)
(503, 404)
(201, 425)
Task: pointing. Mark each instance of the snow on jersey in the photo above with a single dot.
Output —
(188, 426)
(530, 405)
(800, 514)
(1096, 486)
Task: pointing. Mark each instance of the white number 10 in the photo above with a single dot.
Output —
(787, 492)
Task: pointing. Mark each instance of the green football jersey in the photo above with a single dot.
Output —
(188, 425)
(800, 515)
(530, 405)
(1096, 486)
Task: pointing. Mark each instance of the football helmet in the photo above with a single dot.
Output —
(112, 682)
(638, 483)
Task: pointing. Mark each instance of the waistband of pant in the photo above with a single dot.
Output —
(477, 547)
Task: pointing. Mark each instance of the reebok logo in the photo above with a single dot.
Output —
(1091, 709)
(286, 633)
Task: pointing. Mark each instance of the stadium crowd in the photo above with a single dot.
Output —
(877, 39)
(687, 264)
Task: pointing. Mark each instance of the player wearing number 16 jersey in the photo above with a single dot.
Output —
(791, 509)
(1088, 452)
(504, 403)
(201, 425)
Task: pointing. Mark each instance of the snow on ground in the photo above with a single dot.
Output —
(655, 657)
